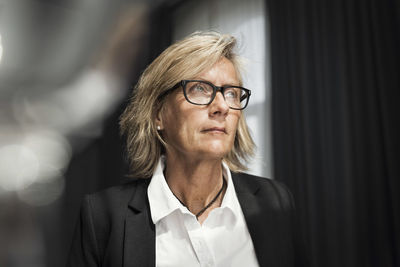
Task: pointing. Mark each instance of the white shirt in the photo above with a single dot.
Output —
(222, 240)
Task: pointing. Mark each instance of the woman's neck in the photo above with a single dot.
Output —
(195, 182)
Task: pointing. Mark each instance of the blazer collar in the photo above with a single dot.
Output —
(139, 238)
(258, 215)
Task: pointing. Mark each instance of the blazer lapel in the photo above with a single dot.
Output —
(139, 239)
(258, 215)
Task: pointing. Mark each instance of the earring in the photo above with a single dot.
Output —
(158, 127)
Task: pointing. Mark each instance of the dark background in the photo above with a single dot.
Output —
(335, 75)
(335, 109)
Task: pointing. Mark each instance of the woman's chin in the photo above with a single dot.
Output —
(216, 150)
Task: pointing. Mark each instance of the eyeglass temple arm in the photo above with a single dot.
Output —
(170, 89)
(248, 93)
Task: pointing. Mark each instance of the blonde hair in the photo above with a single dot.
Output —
(182, 60)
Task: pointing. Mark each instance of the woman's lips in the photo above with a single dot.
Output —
(215, 130)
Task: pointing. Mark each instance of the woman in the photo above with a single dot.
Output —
(189, 204)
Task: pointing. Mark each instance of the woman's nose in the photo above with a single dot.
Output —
(219, 105)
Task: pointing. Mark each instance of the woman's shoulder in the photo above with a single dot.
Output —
(116, 197)
(268, 189)
(254, 180)
(125, 187)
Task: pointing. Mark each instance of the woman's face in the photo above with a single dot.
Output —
(203, 132)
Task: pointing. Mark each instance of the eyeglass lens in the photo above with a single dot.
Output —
(202, 93)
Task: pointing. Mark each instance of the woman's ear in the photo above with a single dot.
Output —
(158, 120)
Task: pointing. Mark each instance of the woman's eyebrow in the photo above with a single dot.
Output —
(230, 83)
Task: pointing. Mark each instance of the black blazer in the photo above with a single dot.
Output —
(115, 227)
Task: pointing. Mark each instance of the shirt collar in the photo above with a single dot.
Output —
(163, 202)
(230, 201)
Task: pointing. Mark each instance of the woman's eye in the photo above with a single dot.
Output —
(231, 93)
(199, 88)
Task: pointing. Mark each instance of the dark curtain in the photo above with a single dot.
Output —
(335, 82)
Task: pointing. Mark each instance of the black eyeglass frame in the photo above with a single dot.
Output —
(216, 89)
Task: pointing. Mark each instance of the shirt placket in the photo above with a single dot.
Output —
(199, 244)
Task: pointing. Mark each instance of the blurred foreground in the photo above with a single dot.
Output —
(65, 67)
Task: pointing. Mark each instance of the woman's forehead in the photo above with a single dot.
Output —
(223, 71)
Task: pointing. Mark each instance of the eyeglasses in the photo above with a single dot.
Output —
(199, 92)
